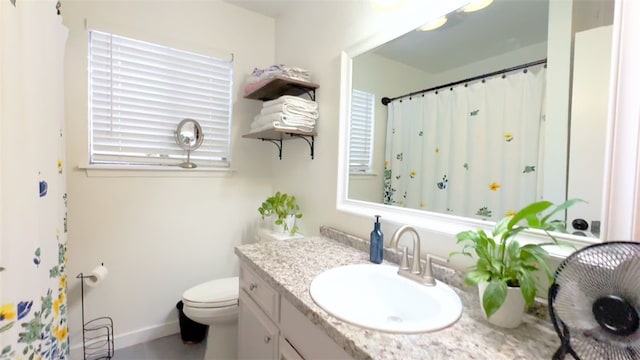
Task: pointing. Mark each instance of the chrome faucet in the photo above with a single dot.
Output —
(395, 239)
(416, 273)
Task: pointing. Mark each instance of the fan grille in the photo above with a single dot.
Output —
(608, 270)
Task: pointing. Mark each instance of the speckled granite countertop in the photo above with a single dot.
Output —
(290, 266)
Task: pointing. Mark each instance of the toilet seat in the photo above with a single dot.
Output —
(218, 293)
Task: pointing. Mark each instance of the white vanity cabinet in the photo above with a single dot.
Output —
(258, 334)
(258, 317)
(269, 327)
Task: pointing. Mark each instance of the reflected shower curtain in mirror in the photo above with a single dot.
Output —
(471, 150)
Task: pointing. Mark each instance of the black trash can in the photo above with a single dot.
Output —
(191, 332)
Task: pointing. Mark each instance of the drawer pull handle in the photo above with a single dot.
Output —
(253, 286)
(267, 339)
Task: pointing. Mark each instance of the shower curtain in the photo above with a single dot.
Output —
(33, 281)
(471, 150)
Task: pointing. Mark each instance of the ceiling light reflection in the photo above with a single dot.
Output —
(476, 5)
(433, 24)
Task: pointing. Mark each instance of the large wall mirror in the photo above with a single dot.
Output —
(486, 145)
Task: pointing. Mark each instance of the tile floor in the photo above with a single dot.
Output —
(166, 348)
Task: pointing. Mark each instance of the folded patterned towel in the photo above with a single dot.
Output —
(253, 86)
(279, 70)
(290, 109)
(293, 100)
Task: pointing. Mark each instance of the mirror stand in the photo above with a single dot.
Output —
(188, 164)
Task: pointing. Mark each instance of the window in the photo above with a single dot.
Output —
(139, 92)
(362, 123)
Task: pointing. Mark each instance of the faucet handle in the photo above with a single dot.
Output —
(404, 262)
(427, 273)
(437, 259)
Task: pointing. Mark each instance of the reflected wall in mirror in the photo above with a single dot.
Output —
(490, 144)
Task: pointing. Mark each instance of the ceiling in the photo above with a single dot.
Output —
(271, 8)
(504, 26)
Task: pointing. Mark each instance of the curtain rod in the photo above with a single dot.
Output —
(385, 100)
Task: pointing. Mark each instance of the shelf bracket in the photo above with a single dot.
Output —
(306, 138)
(277, 143)
(310, 92)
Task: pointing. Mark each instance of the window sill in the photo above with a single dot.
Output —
(152, 171)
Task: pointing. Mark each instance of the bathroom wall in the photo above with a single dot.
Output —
(161, 233)
(522, 55)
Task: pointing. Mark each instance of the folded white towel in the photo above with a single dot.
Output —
(290, 109)
(286, 120)
(294, 100)
(278, 125)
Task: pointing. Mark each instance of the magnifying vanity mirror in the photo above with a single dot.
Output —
(189, 136)
(547, 115)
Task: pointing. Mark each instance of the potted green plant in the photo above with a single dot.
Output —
(504, 270)
(286, 210)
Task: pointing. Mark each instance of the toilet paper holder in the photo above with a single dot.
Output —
(97, 334)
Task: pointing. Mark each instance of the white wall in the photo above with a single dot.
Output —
(517, 57)
(557, 96)
(587, 147)
(161, 234)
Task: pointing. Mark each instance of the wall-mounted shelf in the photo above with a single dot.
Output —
(276, 136)
(278, 86)
(281, 85)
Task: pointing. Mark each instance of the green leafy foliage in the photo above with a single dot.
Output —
(282, 205)
(502, 261)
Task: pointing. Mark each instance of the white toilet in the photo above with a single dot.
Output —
(215, 303)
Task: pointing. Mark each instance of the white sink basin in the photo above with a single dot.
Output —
(376, 297)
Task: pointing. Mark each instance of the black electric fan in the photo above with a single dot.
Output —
(594, 303)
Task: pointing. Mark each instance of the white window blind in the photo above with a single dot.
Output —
(362, 123)
(139, 92)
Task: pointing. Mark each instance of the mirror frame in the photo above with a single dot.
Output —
(199, 134)
(621, 200)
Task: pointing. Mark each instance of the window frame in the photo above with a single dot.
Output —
(214, 154)
(362, 124)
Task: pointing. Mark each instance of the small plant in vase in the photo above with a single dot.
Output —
(504, 270)
(286, 210)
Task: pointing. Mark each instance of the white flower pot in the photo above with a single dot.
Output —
(509, 315)
(290, 221)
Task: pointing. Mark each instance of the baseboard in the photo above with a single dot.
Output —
(133, 337)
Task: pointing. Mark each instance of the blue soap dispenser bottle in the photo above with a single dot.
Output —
(376, 246)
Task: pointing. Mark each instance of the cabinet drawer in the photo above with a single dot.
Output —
(265, 296)
(308, 340)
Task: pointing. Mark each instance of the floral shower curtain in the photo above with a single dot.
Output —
(33, 282)
(471, 150)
